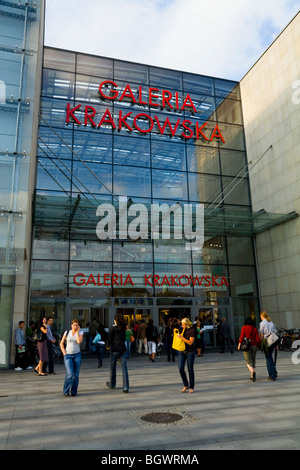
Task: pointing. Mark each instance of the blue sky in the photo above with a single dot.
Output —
(219, 38)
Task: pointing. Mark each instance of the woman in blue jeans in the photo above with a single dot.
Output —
(187, 356)
(266, 328)
(72, 358)
(117, 347)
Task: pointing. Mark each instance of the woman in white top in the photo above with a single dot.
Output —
(267, 327)
(72, 358)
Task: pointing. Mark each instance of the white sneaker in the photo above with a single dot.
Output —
(28, 368)
(18, 368)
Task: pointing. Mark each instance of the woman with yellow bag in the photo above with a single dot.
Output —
(184, 343)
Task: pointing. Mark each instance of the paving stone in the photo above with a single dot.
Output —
(226, 412)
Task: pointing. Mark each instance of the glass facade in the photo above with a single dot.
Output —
(20, 24)
(169, 137)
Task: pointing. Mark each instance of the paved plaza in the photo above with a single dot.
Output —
(226, 412)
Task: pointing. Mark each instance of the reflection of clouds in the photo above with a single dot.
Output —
(2, 353)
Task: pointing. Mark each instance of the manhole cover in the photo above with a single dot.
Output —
(161, 418)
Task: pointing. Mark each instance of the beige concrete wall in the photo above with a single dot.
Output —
(271, 109)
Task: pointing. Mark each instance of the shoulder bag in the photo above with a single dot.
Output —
(246, 343)
(132, 338)
(178, 343)
(38, 335)
(272, 339)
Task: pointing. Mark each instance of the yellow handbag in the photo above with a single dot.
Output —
(178, 343)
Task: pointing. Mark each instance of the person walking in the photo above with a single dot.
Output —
(72, 358)
(141, 337)
(188, 336)
(128, 334)
(99, 343)
(117, 347)
(151, 338)
(266, 328)
(199, 337)
(225, 336)
(250, 332)
(42, 347)
(93, 325)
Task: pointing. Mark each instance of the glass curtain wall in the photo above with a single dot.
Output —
(92, 165)
(20, 23)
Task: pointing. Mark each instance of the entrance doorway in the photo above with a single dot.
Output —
(134, 314)
(86, 314)
(166, 313)
(82, 314)
(211, 317)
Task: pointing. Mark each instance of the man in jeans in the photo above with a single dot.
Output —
(141, 337)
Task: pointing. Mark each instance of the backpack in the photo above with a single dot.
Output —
(117, 340)
(154, 332)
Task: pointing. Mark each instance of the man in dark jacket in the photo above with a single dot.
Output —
(225, 336)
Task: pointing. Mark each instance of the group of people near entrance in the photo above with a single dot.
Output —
(35, 340)
(116, 343)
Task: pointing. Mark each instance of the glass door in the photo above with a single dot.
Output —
(82, 314)
(134, 314)
(142, 314)
(128, 314)
(211, 318)
(173, 312)
(101, 314)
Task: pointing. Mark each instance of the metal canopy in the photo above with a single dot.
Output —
(236, 222)
(79, 214)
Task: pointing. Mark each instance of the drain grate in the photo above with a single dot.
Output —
(161, 418)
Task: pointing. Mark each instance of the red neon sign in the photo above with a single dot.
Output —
(155, 99)
(182, 280)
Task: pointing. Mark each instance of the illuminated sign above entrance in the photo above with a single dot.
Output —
(142, 122)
